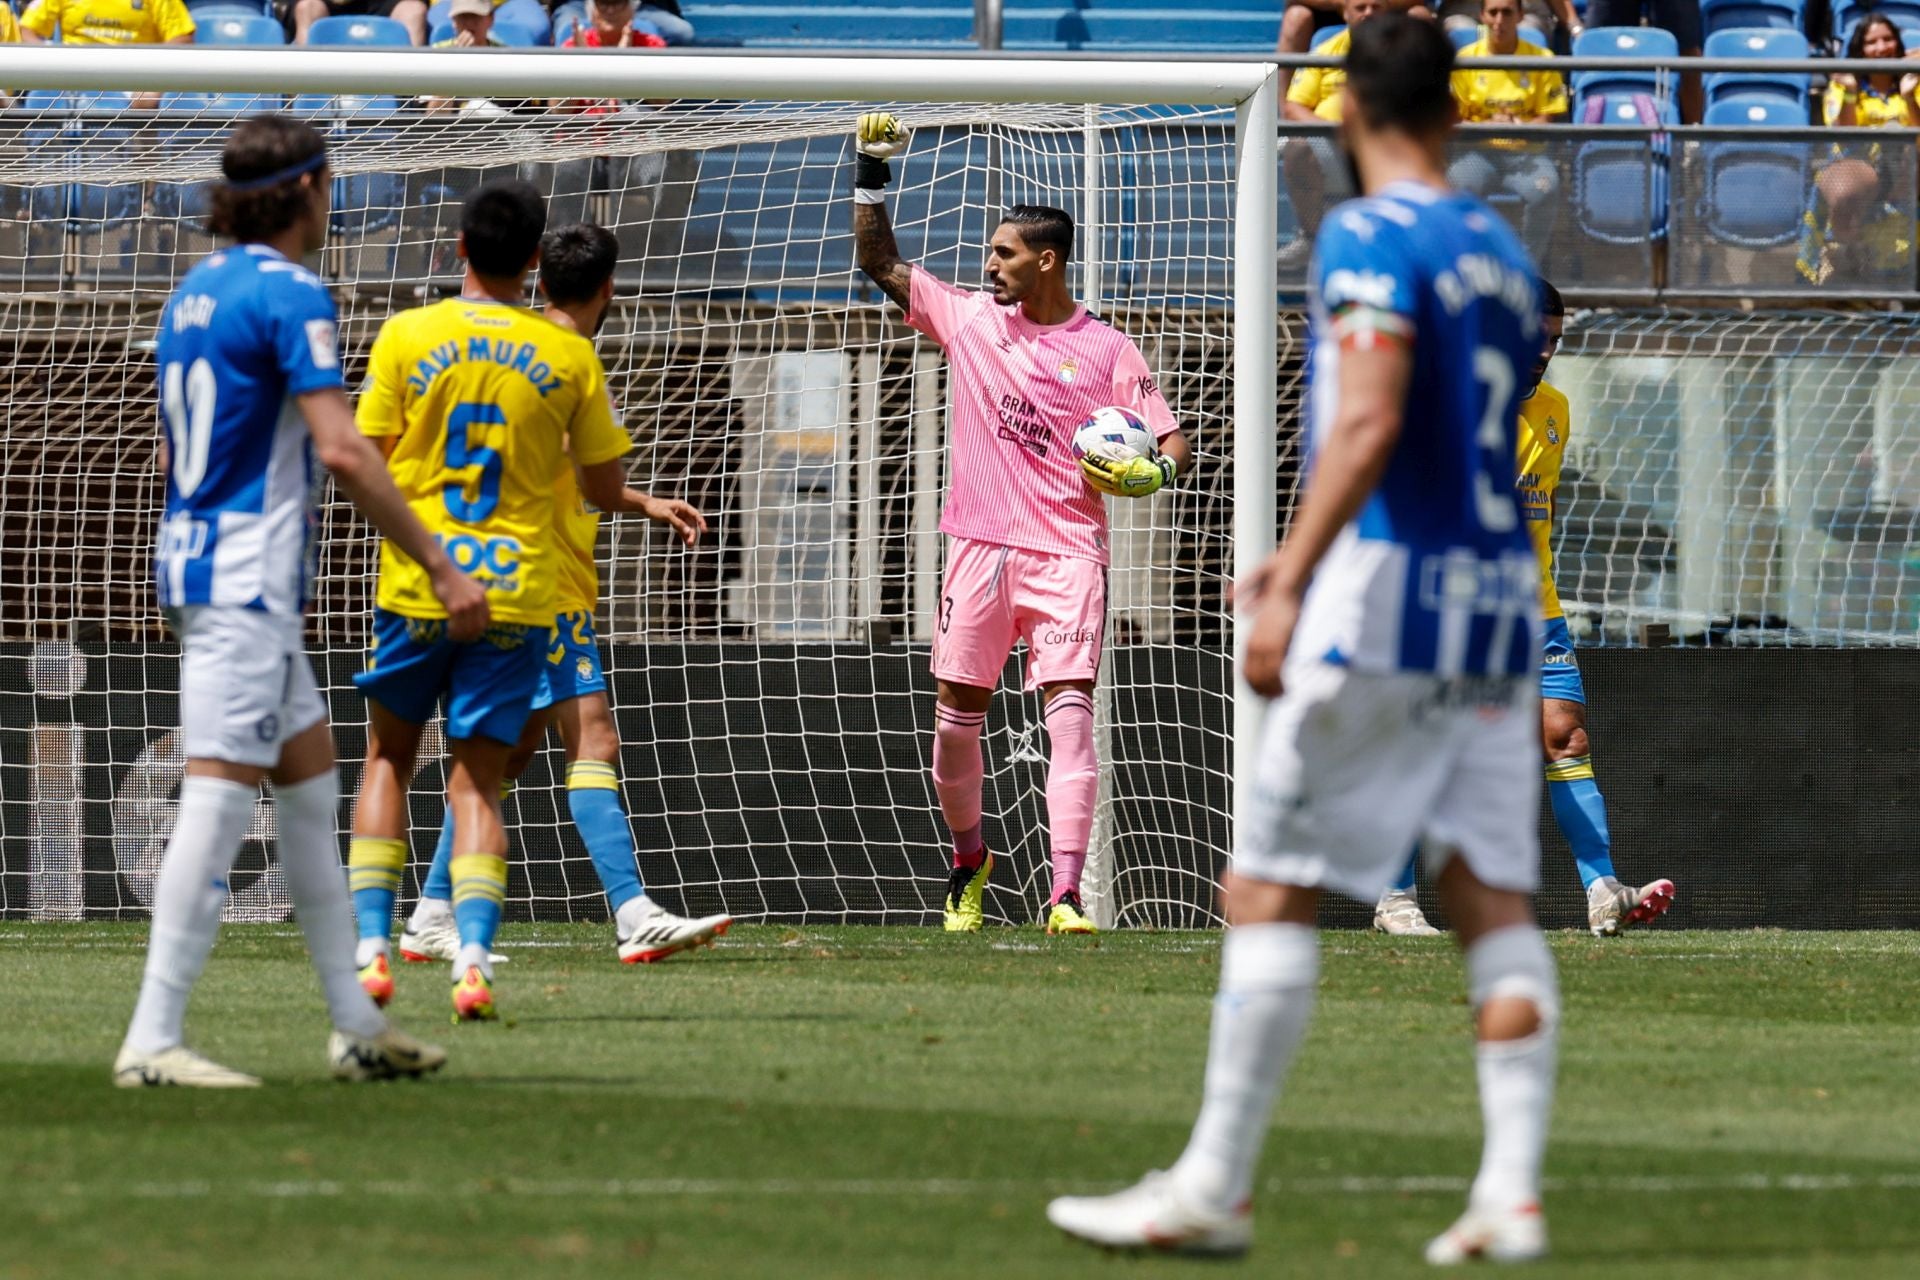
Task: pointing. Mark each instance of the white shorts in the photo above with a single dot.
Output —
(1354, 768)
(246, 687)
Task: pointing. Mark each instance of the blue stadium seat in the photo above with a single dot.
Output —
(1757, 42)
(789, 24)
(1620, 189)
(226, 28)
(1755, 192)
(362, 32)
(528, 15)
(1324, 34)
(1620, 42)
(1461, 36)
(228, 8)
(1779, 15)
(82, 131)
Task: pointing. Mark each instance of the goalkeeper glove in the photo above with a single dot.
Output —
(1134, 478)
(878, 138)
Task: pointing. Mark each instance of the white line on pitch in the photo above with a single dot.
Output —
(625, 1188)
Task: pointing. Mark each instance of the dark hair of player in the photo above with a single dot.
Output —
(1551, 303)
(1400, 70)
(1042, 227)
(501, 225)
(263, 161)
(576, 261)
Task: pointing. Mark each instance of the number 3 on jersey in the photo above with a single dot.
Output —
(1493, 370)
(463, 455)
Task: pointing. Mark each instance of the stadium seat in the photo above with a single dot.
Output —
(1620, 188)
(511, 34)
(530, 16)
(1758, 42)
(1754, 192)
(1905, 14)
(85, 132)
(1461, 36)
(1620, 42)
(227, 8)
(232, 29)
(1324, 34)
(365, 32)
(1779, 15)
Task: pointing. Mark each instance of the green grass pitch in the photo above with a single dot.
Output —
(897, 1103)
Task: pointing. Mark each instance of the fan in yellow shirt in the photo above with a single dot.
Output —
(1495, 98)
(110, 21)
(1310, 165)
(478, 404)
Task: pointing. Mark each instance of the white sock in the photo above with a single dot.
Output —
(310, 856)
(1268, 973)
(472, 955)
(187, 897)
(1516, 1076)
(633, 912)
(366, 949)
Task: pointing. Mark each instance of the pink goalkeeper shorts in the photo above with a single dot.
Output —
(994, 594)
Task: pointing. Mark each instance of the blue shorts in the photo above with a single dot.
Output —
(572, 668)
(1559, 673)
(488, 685)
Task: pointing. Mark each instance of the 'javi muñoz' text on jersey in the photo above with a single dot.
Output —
(246, 332)
(487, 401)
(1018, 391)
(1546, 422)
(1436, 574)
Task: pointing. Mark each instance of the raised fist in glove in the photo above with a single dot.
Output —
(1134, 478)
(878, 138)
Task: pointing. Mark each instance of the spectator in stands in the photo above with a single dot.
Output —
(1488, 97)
(655, 17)
(9, 34)
(472, 28)
(110, 22)
(411, 14)
(1300, 19)
(1853, 228)
(1310, 165)
(1682, 18)
(1543, 15)
(611, 26)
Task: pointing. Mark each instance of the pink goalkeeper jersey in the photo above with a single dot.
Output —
(1019, 390)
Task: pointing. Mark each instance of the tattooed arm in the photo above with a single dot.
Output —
(879, 256)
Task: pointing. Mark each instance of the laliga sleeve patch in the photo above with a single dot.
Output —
(323, 343)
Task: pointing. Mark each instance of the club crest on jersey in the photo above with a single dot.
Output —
(1069, 369)
(1553, 432)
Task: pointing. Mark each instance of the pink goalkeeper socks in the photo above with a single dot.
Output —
(957, 773)
(1073, 783)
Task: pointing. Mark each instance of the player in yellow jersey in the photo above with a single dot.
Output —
(1578, 808)
(576, 275)
(477, 402)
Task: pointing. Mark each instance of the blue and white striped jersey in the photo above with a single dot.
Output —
(1436, 573)
(245, 333)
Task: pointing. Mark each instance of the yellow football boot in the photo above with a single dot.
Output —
(1067, 916)
(377, 977)
(473, 997)
(966, 894)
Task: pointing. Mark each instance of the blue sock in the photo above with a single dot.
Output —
(440, 875)
(593, 796)
(479, 890)
(1581, 815)
(374, 865)
(1405, 883)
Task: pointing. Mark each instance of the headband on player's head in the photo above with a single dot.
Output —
(314, 162)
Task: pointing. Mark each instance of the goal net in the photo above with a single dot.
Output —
(771, 686)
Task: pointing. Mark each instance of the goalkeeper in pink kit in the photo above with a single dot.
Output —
(1026, 523)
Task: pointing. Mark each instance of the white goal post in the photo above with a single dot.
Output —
(772, 695)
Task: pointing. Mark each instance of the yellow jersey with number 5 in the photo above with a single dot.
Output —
(1544, 428)
(482, 398)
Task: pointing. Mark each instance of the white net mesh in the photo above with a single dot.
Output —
(771, 686)
(1748, 479)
